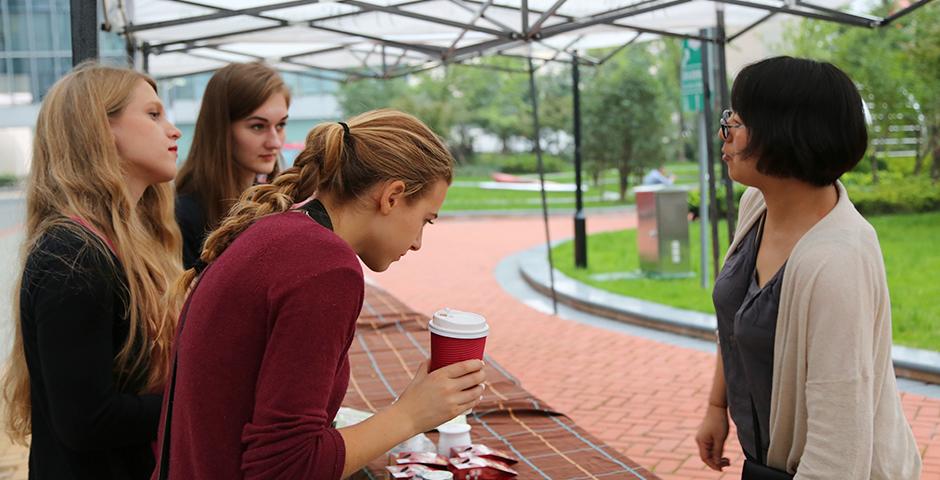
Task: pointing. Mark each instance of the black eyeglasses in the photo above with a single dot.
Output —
(725, 125)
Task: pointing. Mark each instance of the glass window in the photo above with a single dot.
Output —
(20, 80)
(4, 83)
(199, 83)
(4, 30)
(180, 88)
(63, 65)
(19, 35)
(111, 44)
(63, 25)
(42, 29)
(45, 76)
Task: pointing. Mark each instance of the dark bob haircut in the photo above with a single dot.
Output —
(804, 118)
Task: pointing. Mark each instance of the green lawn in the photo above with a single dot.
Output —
(912, 260)
(908, 243)
(613, 252)
(462, 198)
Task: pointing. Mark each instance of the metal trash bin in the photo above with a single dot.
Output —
(662, 234)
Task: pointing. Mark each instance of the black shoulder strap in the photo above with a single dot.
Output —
(757, 443)
(163, 470)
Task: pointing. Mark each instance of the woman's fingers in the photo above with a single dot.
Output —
(469, 380)
(469, 395)
(705, 453)
(473, 401)
(460, 369)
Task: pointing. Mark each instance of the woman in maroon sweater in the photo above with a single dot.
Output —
(262, 363)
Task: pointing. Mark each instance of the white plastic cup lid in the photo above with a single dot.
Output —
(457, 324)
(437, 475)
(453, 428)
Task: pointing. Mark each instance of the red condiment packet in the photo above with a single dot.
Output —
(479, 468)
(424, 458)
(480, 450)
(407, 471)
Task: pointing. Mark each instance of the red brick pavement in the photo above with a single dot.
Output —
(641, 396)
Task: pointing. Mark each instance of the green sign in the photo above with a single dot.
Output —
(691, 86)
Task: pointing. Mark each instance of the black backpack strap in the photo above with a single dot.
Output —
(757, 443)
(163, 470)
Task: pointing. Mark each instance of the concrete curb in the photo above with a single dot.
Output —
(913, 363)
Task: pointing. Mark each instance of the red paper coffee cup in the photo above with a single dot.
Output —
(456, 336)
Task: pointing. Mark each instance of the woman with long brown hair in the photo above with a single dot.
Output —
(261, 362)
(239, 135)
(94, 316)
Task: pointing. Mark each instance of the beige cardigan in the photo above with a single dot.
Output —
(835, 412)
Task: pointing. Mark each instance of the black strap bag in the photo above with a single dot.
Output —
(759, 470)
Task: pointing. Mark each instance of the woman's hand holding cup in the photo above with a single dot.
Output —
(434, 398)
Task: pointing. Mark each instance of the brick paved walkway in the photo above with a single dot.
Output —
(641, 396)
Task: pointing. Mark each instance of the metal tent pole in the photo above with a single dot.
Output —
(730, 210)
(533, 95)
(709, 128)
(84, 15)
(580, 230)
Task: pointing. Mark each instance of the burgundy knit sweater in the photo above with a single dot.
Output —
(262, 362)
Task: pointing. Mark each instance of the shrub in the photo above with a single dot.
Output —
(908, 195)
(8, 180)
(695, 199)
(523, 162)
(895, 193)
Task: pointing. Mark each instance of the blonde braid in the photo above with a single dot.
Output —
(255, 203)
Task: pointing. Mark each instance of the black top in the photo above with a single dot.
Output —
(191, 217)
(88, 422)
(315, 210)
(747, 323)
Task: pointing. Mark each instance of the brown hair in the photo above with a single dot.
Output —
(76, 171)
(381, 145)
(210, 171)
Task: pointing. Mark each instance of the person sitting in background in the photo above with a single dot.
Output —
(804, 316)
(238, 137)
(659, 176)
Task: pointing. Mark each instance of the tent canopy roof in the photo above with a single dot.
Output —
(387, 38)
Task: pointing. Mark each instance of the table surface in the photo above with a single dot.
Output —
(391, 340)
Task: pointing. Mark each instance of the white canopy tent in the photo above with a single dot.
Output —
(390, 38)
(387, 38)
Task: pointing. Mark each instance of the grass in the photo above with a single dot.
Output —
(464, 198)
(908, 243)
(613, 252)
(912, 260)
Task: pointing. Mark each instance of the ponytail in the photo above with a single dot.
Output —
(345, 160)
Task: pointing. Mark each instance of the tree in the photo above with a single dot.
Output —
(874, 63)
(923, 50)
(625, 115)
(357, 96)
(896, 67)
(670, 65)
(555, 103)
(498, 101)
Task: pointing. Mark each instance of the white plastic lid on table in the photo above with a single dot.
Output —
(452, 323)
(437, 475)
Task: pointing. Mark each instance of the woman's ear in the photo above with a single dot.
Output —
(391, 195)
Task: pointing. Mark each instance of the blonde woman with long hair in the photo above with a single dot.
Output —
(262, 350)
(94, 316)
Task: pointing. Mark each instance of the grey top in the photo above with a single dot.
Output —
(747, 322)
